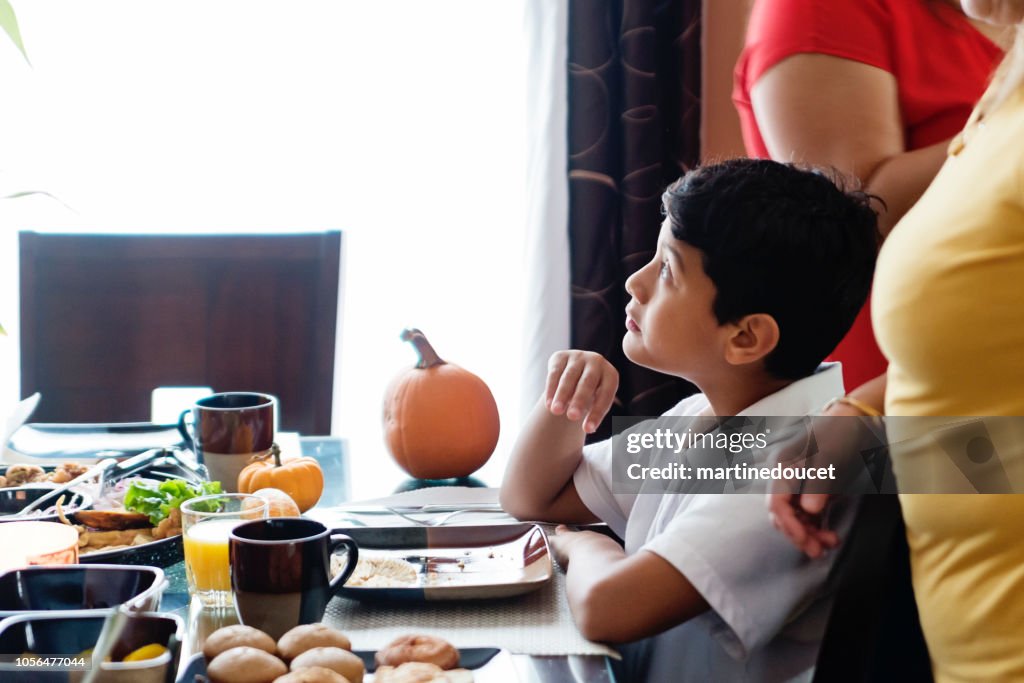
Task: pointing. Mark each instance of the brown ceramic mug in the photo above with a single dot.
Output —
(281, 572)
(226, 430)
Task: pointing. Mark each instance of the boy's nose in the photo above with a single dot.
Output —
(634, 286)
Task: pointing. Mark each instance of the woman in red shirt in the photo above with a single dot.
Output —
(873, 88)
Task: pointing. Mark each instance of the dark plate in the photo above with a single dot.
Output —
(488, 664)
(73, 587)
(14, 498)
(162, 553)
(456, 562)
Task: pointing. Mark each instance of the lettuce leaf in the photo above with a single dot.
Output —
(157, 501)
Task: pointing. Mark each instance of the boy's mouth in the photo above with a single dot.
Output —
(631, 324)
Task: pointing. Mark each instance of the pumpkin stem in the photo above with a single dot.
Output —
(275, 450)
(428, 356)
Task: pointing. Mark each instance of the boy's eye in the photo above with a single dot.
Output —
(664, 271)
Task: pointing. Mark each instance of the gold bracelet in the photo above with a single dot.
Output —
(860, 405)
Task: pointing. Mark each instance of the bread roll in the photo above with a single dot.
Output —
(307, 636)
(245, 665)
(418, 648)
(333, 658)
(313, 674)
(421, 672)
(237, 636)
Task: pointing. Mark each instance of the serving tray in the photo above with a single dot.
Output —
(488, 664)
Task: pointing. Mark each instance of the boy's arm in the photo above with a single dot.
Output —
(538, 482)
(617, 598)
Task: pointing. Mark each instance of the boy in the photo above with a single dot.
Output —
(759, 271)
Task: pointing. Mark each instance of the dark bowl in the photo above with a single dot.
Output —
(68, 634)
(14, 498)
(76, 587)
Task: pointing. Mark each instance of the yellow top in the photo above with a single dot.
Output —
(948, 311)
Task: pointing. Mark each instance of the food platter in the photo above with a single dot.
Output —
(161, 552)
(448, 563)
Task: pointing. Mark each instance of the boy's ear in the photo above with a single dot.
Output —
(753, 337)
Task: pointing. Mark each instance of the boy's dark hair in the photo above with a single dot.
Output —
(784, 241)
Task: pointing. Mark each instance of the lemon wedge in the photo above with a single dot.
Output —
(151, 651)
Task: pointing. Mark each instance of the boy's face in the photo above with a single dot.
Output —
(670, 325)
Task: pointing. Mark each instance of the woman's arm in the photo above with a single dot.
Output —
(617, 598)
(834, 112)
(872, 393)
(798, 515)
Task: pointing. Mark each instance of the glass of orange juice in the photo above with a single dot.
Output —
(206, 523)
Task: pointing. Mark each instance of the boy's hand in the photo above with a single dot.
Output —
(565, 541)
(581, 385)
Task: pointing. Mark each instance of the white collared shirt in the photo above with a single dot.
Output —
(768, 611)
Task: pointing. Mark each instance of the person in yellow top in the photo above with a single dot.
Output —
(948, 310)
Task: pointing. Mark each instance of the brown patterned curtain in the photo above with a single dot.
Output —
(634, 126)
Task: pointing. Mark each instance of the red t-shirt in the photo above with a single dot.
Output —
(941, 64)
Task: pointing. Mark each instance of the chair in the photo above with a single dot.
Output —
(873, 632)
(105, 319)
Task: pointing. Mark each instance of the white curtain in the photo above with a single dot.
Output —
(547, 193)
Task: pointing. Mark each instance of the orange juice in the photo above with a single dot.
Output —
(206, 554)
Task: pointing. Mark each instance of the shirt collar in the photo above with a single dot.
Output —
(804, 396)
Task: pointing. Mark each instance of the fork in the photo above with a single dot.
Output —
(439, 521)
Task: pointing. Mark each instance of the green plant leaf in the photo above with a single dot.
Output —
(3, 332)
(9, 23)
(157, 501)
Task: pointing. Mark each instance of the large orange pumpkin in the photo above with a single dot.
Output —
(301, 478)
(440, 421)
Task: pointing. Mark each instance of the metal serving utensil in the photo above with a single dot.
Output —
(96, 471)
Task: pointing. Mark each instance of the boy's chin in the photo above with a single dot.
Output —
(628, 346)
(634, 351)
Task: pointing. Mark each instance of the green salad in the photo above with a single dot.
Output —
(157, 500)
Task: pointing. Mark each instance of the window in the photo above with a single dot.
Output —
(399, 123)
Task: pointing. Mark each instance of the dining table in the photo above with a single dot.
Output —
(542, 643)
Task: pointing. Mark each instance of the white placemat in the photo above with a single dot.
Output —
(538, 623)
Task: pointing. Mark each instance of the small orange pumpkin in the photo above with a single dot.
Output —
(301, 478)
(440, 420)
